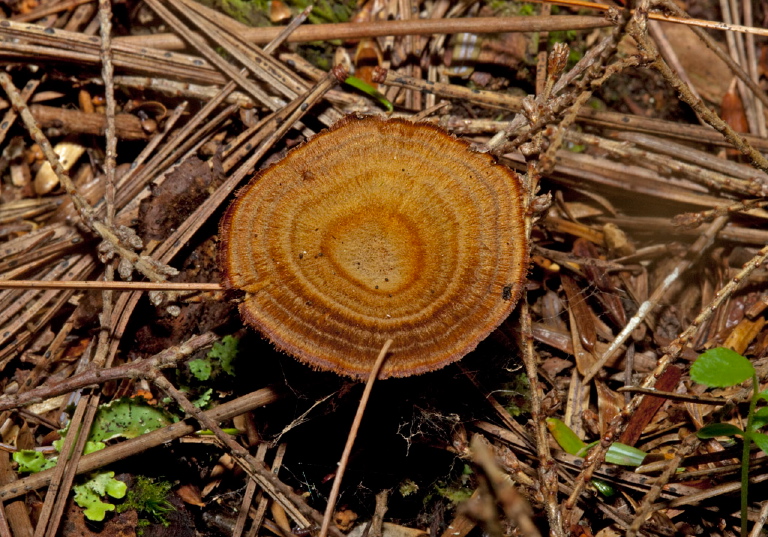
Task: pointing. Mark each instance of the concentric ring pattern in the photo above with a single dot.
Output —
(372, 230)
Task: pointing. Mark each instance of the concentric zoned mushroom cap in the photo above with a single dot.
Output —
(374, 230)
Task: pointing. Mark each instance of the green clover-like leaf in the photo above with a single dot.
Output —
(116, 488)
(204, 400)
(95, 509)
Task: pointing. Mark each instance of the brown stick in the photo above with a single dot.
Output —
(75, 122)
(356, 30)
(114, 286)
(351, 438)
(94, 376)
(16, 512)
(44, 11)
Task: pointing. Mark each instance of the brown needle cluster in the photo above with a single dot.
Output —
(377, 230)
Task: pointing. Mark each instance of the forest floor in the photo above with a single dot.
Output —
(638, 243)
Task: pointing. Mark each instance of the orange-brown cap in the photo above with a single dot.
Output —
(373, 230)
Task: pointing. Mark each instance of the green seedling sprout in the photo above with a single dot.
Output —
(620, 454)
(722, 368)
(369, 90)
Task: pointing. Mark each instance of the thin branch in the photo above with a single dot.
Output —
(96, 376)
(374, 374)
(673, 351)
(113, 285)
(688, 446)
(357, 30)
(698, 399)
(121, 240)
(452, 91)
(10, 116)
(708, 40)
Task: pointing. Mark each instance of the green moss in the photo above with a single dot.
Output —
(326, 11)
(527, 10)
(256, 12)
(149, 498)
(562, 36)
(515, 394)
(455, 490)
(408, 487)
(455, 495)
(250, 12)
(505, 8)
(575, 56)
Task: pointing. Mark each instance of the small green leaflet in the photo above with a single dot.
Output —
(201, 369)
(572, 445)
(225, 351)
(720, 368)
(125, 418)
(718, 429)
(620, 454)
(603, 488)
(220, 358)
(204, 400)
(565, 436)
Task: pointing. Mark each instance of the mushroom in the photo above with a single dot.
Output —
(377, 229)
